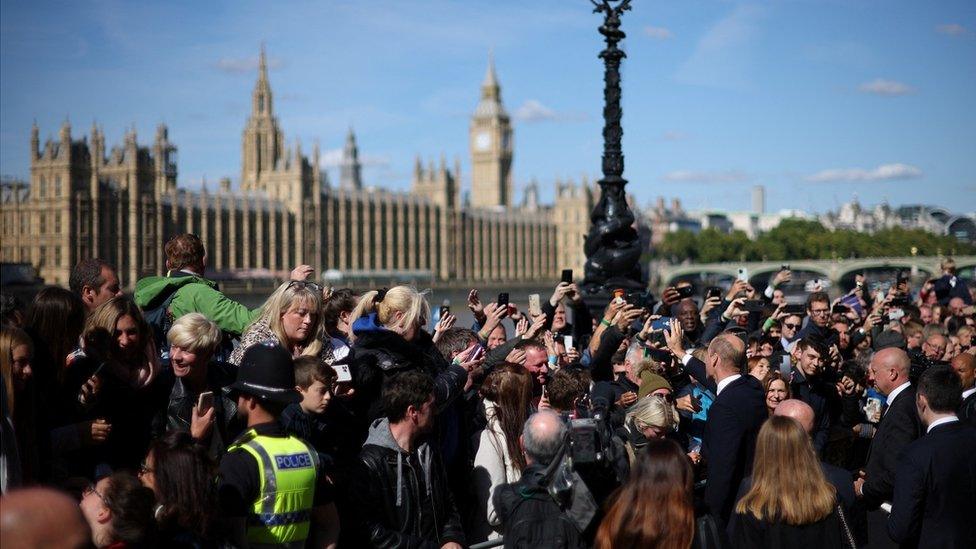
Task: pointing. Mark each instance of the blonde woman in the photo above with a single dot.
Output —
(292, 316)
(789, 502)
(651, 417)
(389, 338)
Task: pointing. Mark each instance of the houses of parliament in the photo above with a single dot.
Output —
(122, 205)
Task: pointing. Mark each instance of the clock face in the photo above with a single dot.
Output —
(481, 141)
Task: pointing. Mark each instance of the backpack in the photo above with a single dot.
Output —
(160, 320)
(536, 521)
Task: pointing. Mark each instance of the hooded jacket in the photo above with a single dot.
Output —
(194, 294)
(402, 499)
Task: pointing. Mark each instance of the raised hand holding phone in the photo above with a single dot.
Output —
(201, 422)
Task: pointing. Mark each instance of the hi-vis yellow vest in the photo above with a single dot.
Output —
(288, 469)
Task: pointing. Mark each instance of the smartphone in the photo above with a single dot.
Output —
(568, 342)
(686, 291)
(205, 402)
(743, 274)
(535, 309)
(477, 353)
(503, 301)
(784, 267)
(714, 291)
(445, 310)
(567, 276)
(896, 314)
(343, 375)
(794, 309)
(786, 367)
(662, 323)
(839, 309)
(753, 305)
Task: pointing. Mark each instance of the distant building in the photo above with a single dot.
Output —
(123, 204)
(933, 219)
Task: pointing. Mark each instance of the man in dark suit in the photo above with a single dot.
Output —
(935, 488)
(899, 426)
(964, 365)
(733, 420)
(807, 384)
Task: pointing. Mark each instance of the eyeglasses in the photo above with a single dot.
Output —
(819, 311)
(306, 284)
(791, 326)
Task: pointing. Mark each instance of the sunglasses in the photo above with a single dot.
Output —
(791, 326)
(305, 284)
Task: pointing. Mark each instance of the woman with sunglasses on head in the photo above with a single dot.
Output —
(181, 475)
(388, 328)
(292, 316)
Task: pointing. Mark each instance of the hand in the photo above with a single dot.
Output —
(201, 424)
(845, 387)
(733, 309)
(778, 314)
(445, 323)
(574, 294)
(871, 321)
(470, 364)
(521, 327)
(544, 401)
(516, 356)
(493, 317)
(709, 304)
(674, 337)
(89, 391)
(99, 430)
(688, 403)
(572, 355)
(344, 390)
(560, 292)
(516, 315)
(627, 316)
(626, 399)
(782, 277)
(612, 309)
(451, 545)
(647, 328)
(549, 341)
(474, 303)
(301, 272)
(737, 286)
(670, 296)
(859, 485)
(695, 458)
(534, 328)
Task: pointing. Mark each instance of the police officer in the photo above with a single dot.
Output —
(272, 491)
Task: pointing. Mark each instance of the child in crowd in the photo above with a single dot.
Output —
(306, 420)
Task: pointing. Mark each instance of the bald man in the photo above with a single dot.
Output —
(41, 517)
(734, 418)
(899, 426)
(964, 365)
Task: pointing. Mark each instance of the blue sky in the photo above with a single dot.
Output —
(816, 100)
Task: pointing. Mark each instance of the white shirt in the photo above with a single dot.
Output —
(941, 421)
(725, 383)
(968, 392)
(896, 392)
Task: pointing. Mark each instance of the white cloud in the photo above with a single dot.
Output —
(689, 176)
(237, 65)
(332, 158)
(532, 110)
(724, 56)
(880, 86)
(674, 136)
(658, 33)
(951, 29)
(885, 172)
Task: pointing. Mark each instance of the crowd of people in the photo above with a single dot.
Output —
(714, 417)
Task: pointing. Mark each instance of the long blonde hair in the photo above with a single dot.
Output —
(788, 484)
(11, 338)
(653, 411)
(281, 300)
(403, 299)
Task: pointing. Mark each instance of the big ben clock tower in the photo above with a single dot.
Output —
(491, 147)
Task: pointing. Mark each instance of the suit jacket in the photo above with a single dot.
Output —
(935, 490)
(967, 411)
(815, 392)
(899, 426)
(729, 441)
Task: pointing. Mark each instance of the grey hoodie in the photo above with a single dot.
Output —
(380, 435)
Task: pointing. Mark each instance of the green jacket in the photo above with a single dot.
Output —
(194, 295)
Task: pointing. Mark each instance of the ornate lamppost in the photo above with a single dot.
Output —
(612, 246)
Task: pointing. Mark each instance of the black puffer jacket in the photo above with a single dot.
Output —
(402, 499)
(379, 353)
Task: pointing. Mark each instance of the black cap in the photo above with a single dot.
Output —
(889, 338)
(267, 371)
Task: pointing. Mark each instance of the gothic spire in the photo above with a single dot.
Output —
(261, 99)
(490, 88)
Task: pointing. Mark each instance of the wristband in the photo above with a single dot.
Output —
(605, 322)
(768, 324)
(553, 359)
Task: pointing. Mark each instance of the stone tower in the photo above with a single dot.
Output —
(491, 147)
(350, 169)
(263, 143)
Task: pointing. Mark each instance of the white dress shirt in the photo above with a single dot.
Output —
(941, 421)
(897, 391)
(725, 383)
